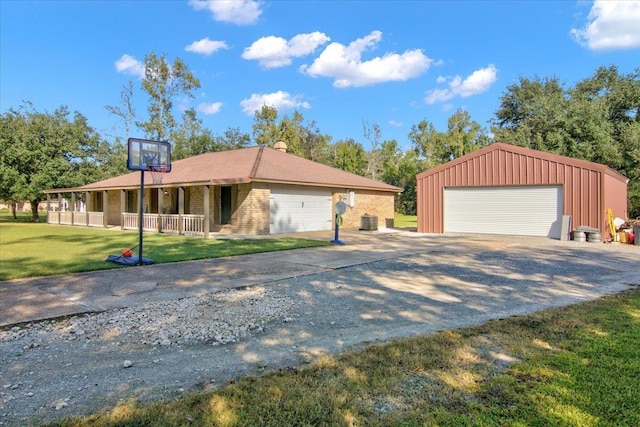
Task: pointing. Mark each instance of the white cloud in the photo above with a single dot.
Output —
(478, 82)
(127, 64)
(611, 25)
(395, 123)
(274, 52)
(206, 46)
(345, 65)
(240, 12)
(280, 100)
(209, 107)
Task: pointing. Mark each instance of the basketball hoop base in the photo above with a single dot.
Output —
(131, 260)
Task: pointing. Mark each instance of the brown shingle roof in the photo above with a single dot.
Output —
(255, 164)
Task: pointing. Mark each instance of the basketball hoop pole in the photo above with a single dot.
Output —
(145, 155)
(140, 217)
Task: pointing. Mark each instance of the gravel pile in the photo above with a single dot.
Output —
(90, 353)
(221, 318)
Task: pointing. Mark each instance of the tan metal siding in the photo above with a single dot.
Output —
(585, 189)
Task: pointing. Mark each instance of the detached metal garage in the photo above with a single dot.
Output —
(505, 189)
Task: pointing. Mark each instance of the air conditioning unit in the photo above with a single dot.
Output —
(369, 223)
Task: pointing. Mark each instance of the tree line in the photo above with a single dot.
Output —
(597, 119)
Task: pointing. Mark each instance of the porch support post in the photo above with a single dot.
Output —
(59, 206)
(105, 208)
(123, 206)
(87, 203)
(73, 208)
(48, 206)
(160, 207)
(180, 209)
(207, 215)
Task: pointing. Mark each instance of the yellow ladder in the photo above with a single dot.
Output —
(612, 226)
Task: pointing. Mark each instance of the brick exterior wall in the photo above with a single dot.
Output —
(375, 203)
(114, 216)
(251, 213)
(196, 200)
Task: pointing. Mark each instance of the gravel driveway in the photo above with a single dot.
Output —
(79, 365)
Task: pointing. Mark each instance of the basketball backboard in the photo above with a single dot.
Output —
(147, 155)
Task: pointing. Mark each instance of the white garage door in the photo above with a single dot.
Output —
(300, 209)
(526, 211)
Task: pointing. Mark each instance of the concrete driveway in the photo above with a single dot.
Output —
(41, 298)
(379, 286)
(568, 263)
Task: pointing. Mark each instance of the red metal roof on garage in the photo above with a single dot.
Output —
(254, 164)
(499, 146)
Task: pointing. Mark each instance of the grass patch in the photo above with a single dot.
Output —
(30, 249)
(405, 221)
(573, 366)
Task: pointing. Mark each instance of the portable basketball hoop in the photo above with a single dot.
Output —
(147, 156)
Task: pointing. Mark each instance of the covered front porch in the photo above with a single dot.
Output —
(184, 210)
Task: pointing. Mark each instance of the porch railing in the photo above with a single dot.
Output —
(79, 218)
(53, 217)
(91, 219)
(191, 225)
(96, 219)
(66, 218)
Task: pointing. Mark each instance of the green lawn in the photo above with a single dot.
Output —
(573, 366)
(37, 249)
(405, 221)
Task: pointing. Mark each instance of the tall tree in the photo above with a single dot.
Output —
(265, 128)
(400, 169)
(303, 138)
(428, 142)
(43, 151)
(205, 142)
(185, 135)
(163, 83)
(289, 132)
(115, 160)
(372, 133)
(597, 120)
(125, 112)
(232, 139)
(532, 114)
(350, 156)
(315, 145)
(463, 136)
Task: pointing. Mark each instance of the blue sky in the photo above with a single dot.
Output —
(339, 63)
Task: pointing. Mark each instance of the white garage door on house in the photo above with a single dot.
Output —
(517, 210)
(295, 209)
